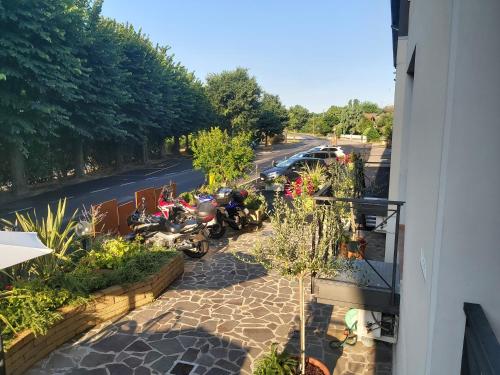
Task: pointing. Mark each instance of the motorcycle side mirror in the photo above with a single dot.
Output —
(274, 163)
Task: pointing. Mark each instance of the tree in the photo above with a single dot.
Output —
(349, 117)
(332, 116)
(235, 97)
(317, 125)
(97, 115)
(39, 70)
(372, 134)
(298, 117)
(273, 117)
(80, 90)
(384, 125)
(362, 125)
(369, 107)
(303, 237)
(220, 156)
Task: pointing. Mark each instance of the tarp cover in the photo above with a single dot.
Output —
(18, 247)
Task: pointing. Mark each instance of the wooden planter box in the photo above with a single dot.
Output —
(26, 349)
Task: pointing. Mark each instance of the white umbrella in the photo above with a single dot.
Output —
(15, 248)
(18, 247)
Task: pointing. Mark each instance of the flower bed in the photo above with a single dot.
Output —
(26, 349)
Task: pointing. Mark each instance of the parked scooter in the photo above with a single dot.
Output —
(191, 236)
(179, 210)
(232, 207)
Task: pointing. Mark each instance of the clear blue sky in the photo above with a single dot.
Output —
(314, 53)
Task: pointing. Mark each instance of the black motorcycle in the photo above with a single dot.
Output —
(232, 207)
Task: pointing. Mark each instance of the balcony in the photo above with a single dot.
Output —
(374, 283)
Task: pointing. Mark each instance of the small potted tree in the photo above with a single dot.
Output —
(301, 245)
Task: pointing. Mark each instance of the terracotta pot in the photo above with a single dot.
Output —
(343, 253)
(317, 363)
(361, 251)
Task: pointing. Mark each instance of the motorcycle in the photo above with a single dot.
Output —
(232, 207)
(179, 210)
(190, 236)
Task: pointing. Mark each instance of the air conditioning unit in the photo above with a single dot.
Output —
(377, 326)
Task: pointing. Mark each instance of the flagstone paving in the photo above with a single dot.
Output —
(217, 319)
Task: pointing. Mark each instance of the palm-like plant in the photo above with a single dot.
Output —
(55, 233)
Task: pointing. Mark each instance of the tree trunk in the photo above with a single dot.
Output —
(79, 158)
(164, 151)
(302, 326)
(144, 151)
(119, 157)
(187, 143)
(176, 146)
(18, 170)
(266, 138)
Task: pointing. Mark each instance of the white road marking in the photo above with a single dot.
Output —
(21, 209)
(163, 169)
(128, 183)
(97, 191)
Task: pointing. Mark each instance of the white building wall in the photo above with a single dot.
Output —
(452, 109)
(469, 207)
(425, 102)
(399, 165)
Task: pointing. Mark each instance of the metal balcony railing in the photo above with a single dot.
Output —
(382, 292)
(481, 351)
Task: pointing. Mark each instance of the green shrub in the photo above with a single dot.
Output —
(32, 305)
(372, 134)
(275, 363)
(115, 261)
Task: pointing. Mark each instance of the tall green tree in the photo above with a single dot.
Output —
(39, 69)
(235, 96)
(273, 117)
(369, 107)
(298, 117)
(349, 118)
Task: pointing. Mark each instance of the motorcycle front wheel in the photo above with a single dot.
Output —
(199, 250)
(216, 231)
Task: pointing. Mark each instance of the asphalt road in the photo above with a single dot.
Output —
(123, 185)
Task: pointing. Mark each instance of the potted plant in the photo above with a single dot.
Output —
(356, 249)
(304, 235)
(276, 363)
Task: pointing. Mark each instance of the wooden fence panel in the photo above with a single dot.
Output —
(109, 212)
(149, 199)
(124, 211)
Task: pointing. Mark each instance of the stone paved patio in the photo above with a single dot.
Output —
(217, 319)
